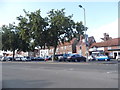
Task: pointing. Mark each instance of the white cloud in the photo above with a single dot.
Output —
(111, 29)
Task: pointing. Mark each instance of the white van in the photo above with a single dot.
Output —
(116, 55)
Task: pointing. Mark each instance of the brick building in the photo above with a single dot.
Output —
(81, 46)
(110, 47)
(10, 53)
(73, 46)
(67, 47)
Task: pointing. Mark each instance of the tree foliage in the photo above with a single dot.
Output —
(60, 27)
(10, 38)
(79, 30)
(35, 31)
(32, 29)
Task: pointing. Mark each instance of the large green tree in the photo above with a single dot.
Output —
(24, 31)
(10, 38)
(60, 28)
(33, 29)
(79, 30)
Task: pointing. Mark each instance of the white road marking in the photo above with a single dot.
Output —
(112, 72)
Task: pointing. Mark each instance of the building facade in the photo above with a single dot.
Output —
(109, 47)
(67, 47)
(83, 46)
(10, 53)
(74, 46)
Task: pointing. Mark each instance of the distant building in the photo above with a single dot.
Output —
(110, 47)
(10, 53)
(81, 45)
(67, 47)
(106, 37)
(74, 46)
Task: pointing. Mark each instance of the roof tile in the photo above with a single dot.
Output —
(111, 42)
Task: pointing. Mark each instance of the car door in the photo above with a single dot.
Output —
(73, 57)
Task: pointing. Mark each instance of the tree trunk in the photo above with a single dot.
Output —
(53, 58)
(13, 55)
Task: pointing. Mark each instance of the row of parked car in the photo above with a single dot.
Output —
(70, 57)
(25, 58)
(59, 58)
(98, 58)
(78, 57)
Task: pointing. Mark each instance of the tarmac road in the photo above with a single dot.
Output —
(59, 75)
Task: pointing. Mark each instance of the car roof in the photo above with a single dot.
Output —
(75, 54)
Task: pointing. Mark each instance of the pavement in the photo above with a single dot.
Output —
(59, 75)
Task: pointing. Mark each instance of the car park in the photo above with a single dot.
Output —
(76, 58)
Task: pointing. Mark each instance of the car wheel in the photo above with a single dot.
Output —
(106, 60)
(90, 59)
(76, 60)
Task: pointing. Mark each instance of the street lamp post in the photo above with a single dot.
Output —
(85, 31)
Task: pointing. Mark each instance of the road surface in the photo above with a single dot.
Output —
(59, 75)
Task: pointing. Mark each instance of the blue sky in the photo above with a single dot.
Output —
(98, 14)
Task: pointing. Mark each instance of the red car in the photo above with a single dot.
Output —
(48, 58)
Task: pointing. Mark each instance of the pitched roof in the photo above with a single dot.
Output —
(90, 41)
(80, 43)
(68, 43)
(111, 42)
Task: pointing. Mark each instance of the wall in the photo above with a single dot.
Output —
(83, 49)
(61, 49)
